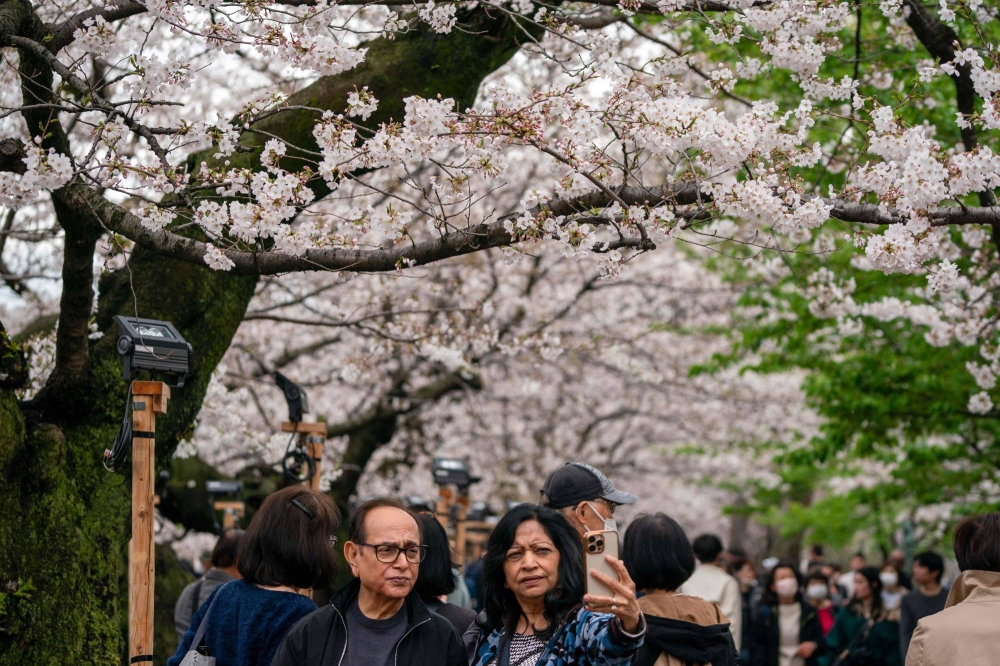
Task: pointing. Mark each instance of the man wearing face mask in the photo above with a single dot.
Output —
(585, 497)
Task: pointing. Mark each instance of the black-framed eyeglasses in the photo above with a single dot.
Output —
(386, 553)
(333, 541)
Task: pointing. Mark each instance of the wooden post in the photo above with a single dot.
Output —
(442, 510)
(463, 509)
(313, 437)
(148, 400)
(231, 511)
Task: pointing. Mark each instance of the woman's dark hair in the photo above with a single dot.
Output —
(288, 540)
(932, 562)
(871, 575)
(977, 543)
(738, 563)
(499, 602)
(435, 576)
(226, 549)
(657, 553)
(770, 596)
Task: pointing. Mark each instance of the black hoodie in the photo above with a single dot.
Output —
(691, 643)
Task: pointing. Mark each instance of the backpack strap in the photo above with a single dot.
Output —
(196, 594)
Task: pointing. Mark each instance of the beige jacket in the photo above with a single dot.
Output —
(680, 607)
(967, 631)
(712, 583)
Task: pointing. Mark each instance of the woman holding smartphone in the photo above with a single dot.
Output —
(536, 612)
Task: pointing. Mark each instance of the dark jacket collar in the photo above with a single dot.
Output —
(416, 611)
(687, 641)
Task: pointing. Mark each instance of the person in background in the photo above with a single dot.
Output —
(536, 611)
(862, 633)
(474, 581)
(584, 497)
(711, 583)
(928, 598)
(222, 569)
(435, 578)
(965, 632)
(287, 547)
(819, 594)
(786, 628)
(377, 619)
(847, 579)
(814, 558)
(832, 572)
(750, 595)
(682, 630)
(897, 559)
(892, 591)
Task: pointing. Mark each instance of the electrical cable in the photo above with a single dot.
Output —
(114, 457)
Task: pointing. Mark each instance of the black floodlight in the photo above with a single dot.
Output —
(478, 511)
(223, 487)
(152, 346)
(452, 471)
(295, 396)
(418, 504)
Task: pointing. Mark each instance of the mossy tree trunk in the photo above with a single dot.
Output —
(64, 520)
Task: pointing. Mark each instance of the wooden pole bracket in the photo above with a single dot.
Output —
(148, 400)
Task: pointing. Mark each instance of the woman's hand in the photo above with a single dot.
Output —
(806, 650)
(624, 605)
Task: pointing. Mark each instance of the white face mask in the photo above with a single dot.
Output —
(888, 578)
(610, 524)
(786, 587)
(817, 591)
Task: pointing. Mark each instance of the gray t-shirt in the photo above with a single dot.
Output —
(913, 608)
(372, 642)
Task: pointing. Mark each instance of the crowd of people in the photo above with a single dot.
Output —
(664, 601)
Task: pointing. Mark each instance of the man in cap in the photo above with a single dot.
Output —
(584, 496)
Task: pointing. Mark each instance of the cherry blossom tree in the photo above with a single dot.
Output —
(194, 151)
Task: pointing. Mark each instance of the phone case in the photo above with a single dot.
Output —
(595, 546)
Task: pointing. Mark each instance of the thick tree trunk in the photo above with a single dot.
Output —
(64, 520)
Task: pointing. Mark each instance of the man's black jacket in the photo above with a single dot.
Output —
(320, 638)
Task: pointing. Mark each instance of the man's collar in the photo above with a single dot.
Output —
(416, 610)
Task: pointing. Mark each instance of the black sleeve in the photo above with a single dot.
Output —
(758, 635)
(290, 651)
(812, 632)
(906, 625)
(456, 650)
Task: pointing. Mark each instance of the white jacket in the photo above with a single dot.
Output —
(711, 583)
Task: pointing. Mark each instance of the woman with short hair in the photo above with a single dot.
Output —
(288, 547)
(682, 630)
(436, 578)
(536, 611)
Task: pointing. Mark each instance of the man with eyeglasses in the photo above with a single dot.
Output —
(377, 619)
(584, 496)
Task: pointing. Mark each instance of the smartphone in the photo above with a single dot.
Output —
(595, 546)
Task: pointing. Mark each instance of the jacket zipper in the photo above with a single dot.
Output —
(342, 621)
(395, 658)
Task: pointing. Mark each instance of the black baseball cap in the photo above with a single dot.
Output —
(577, 482)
